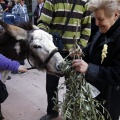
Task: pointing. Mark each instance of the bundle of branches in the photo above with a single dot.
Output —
(78, 102)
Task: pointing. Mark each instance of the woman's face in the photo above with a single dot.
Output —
(104, 22)
(22, 2)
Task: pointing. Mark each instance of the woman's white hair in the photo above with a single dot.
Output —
(108, 5)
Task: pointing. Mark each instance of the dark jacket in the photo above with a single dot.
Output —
(106, 76)
(4, 5)
(37, 14)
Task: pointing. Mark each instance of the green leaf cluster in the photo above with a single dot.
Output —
(78, 103)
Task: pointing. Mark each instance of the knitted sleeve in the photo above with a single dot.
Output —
(8, 64)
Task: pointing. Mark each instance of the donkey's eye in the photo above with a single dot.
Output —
(37, 46)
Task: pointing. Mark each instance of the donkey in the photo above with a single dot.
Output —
(25, 40)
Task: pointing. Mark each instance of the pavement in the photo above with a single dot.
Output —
(27, 96)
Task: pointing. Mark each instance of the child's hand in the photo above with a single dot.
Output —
(22, 68)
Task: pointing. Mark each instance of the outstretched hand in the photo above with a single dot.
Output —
(22, 68)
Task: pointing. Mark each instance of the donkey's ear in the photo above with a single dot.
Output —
(14, 31)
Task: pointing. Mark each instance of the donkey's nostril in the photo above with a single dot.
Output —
(37, 46)
(59, 65)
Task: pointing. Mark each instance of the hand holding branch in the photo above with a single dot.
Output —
(80, 65)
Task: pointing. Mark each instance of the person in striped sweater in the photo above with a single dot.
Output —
(52, 20)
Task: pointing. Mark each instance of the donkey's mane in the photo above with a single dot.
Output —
(25, 25)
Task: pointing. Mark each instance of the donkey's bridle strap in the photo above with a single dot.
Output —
(50, 56)
(41, 64)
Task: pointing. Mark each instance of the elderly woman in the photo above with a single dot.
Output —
(101, 64)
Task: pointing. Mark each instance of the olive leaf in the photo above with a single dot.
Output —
(78, 103)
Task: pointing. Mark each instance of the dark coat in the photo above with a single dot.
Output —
(36, 14)
(106, 76)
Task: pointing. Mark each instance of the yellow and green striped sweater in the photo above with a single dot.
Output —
(54, 15)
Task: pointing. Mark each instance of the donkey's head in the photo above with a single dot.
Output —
(32, 42)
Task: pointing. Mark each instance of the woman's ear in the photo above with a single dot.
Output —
(117, 14)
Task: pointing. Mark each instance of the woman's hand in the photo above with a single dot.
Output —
(80, 65)
(22, 68)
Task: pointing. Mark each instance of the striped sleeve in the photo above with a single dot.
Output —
(46, 16)
(85, 26)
